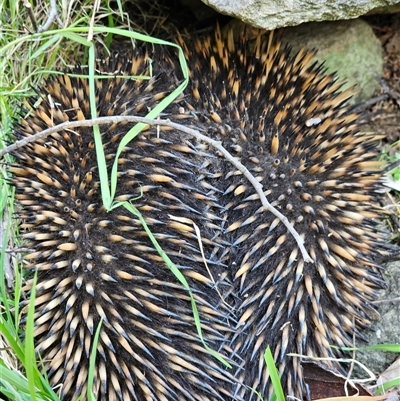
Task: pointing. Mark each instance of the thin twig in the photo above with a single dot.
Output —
(8, 270)
(198, 235)
(95, 9)
(28, 7)
(52, 15)
(217, 145)
(366, 105)
(386, 301)
(393, 94)
(14, 251)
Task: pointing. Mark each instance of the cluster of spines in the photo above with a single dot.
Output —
(97, 265)
(287, 122)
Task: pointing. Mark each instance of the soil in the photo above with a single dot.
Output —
(385, 114)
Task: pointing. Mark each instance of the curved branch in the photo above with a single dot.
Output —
(195, 133)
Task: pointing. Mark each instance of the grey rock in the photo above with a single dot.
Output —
(387, 329)
(271, 14)
(347, 48)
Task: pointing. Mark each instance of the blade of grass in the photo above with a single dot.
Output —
(133, 132)
(377, 347)
(13, 380)
(389, 384)
(11, 336)
(7, 327)
(29, 351)
(45, 46)
(101, 159)
(274, 375)
(92, 362)
(178, 275)
(77, 38)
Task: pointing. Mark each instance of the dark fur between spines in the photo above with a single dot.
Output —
(93, 263)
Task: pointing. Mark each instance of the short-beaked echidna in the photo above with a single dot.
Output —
(288, 123)
(96, 264)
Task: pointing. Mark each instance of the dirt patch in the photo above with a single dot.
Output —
(385, 115)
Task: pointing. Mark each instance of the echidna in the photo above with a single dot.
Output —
(93, 264)
(288, 123)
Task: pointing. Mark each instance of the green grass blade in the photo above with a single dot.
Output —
(377, 347)
(274, 375)
(101, 159)
(132, 133)
(178, 275)
(92, 362)
(45, 46)
(389, 384)
(29, 351)
(8, 331)
(77, 38)
(13, 380)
